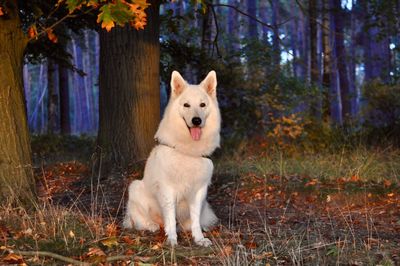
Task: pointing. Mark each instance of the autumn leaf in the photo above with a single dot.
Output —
(355, 178)
(32, 32)
(13, 258)
(105, 18)
(93, 3)
(226, 251)
(73, 4)
(52, 37)
(110, 242)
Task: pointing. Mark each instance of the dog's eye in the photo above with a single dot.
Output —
(186, 105)
(202, 105)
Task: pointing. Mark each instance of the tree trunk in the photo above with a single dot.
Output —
(16, 177)
(341, 61)
(63, 86)
(129, 91)
(334, 89)
(252, 24)
(206, 36)
(327, 65)
(233, 28)
(376, 49)
(52, 98)
(276, 55)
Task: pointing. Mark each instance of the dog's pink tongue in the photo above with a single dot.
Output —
(195, 132)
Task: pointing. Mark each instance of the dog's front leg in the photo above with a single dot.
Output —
(169, 212)
(195, 212)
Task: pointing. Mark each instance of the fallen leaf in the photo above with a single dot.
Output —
(226, 251)
(110, 242)
(312, 182)
(111, 229)
(355, 178)
(13, 258)
(96, 252)
(387, 183)
(32, 32)
(52, 37)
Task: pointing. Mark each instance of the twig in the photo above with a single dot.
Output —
(252, 17)
(51, 255)
(215, 42)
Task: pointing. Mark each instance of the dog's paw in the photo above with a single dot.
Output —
(172, 242)
(204, 242)
(153, 227)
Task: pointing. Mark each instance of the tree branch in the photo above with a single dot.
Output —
(250, 16)
(51, 255)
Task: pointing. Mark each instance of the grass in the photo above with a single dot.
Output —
(374, 165)
(275, 209)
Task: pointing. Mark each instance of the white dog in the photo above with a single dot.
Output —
(178, 172)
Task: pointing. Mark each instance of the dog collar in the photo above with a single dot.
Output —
(158, 142)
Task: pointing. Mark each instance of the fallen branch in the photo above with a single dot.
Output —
(70, 260)
(51, 255)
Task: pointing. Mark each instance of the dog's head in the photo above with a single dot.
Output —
(191, 121)
(194, 101)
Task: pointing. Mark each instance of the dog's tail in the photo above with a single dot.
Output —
(207, 217)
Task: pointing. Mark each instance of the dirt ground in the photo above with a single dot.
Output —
(264, 220)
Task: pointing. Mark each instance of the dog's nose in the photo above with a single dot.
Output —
(196, 121)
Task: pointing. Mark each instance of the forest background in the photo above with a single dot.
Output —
(306, 88)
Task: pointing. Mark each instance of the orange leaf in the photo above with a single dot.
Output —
(13, 258)
(52, 37)
(251, 244)
(227, 251)
(312, 182)
(108, 25)
(355, 178)
(32, 32)
(96, 252)
(387, 183)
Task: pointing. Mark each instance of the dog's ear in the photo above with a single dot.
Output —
(210, 84)
(178, 84)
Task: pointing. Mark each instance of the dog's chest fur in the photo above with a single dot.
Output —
(186, 174)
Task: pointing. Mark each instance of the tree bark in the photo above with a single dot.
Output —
(252, 24)
(327, 65)
(341, 62)
(276, 56)
(63, 86)
(52, 98)
(129, 92)
(16, 177)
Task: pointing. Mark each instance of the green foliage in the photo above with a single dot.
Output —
(381, 110)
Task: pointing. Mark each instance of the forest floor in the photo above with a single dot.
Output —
(268, 216)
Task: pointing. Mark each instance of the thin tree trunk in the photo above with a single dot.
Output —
(327, 53)
(16, 176)
(63, 86)
(27, 89)
(233, 28)
(294, 40)
(276, 55)
(52, 98)
(79, 112)
(129, 91)
(334, 90)
(206, 37)
(252, 24)
(341, 62)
